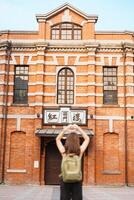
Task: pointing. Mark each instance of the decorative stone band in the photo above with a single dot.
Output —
(16, 170)
(53, 132)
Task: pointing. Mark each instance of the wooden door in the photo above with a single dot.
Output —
(52, 164)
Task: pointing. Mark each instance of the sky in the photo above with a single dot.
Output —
(113, 15)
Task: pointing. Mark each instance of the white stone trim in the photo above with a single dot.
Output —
(3, 62)
(16, 170)
(83, 22)
(2, 54)
(78, 94)
(102, 55)
(16, 116)
(66, 17)
(130, 55)
(80, 42)
(129, 74)
(31, 83)
(22, 59)
(120, 95)
(50, 22)
(4, 83)
(130, 84)
(107, 117)
(41, 93)
(13, 60)
(85, 84)
(110, 60)
(43, 73)
(130, 95)
(89, 94)
(130, 105)
(129, 63)
(66, 59)
(41, 83)
(78, 74)
(18, 124)
(78, 105)
(29, 61)
(32, 93)
(110, 117)
(9, 93)
(91, 54)
(120, 85)
(39, 53)
(110, 125)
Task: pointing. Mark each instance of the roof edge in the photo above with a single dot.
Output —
(62, 7)
(17, 32)
(115, 32)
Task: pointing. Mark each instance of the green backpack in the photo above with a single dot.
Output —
(71, 169)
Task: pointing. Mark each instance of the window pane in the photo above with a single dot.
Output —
(21, 84)
(65, 86)
(20, 96)
(66, 34)
(55, 34)
(66, 31)
(66, 25)
(110, 97)
(110, 85)
(63, 37)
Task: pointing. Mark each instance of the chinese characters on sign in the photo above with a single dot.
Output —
(52, 116)
(65, 116)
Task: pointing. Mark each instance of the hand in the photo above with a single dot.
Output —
(69, 127)
(75, 126)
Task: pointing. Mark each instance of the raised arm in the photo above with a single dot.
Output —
(59, 137)
(86, 139)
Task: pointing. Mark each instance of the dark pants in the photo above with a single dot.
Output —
(71, 191)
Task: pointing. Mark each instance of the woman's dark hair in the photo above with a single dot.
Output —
(72, 144)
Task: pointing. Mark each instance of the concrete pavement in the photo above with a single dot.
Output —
(52, 193)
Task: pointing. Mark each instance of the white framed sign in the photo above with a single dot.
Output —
(65, 115)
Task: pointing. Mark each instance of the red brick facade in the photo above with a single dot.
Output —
(109, 159)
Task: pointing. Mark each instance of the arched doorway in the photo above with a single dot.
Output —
(52, 164)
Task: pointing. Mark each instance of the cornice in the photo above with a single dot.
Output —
(66, 49)
(18, 32)
(80, 46)
(115, 32)
(24, 46)
(110, 50)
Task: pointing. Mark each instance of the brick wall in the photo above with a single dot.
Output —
(110, 156)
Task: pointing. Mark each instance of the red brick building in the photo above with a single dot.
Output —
(66, 72)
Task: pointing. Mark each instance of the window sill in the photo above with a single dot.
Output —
(16, 170)
(19, 105)
(111, 105)
(111, 172)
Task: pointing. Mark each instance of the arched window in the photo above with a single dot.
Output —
(66, 31)
(65, 86)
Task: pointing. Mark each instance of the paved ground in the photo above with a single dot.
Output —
(52, 193)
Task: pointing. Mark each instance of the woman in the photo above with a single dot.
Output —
(72, 191)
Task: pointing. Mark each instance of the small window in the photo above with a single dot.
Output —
(110, 85)
(66, 31)
(21, 85)
(65, 86)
